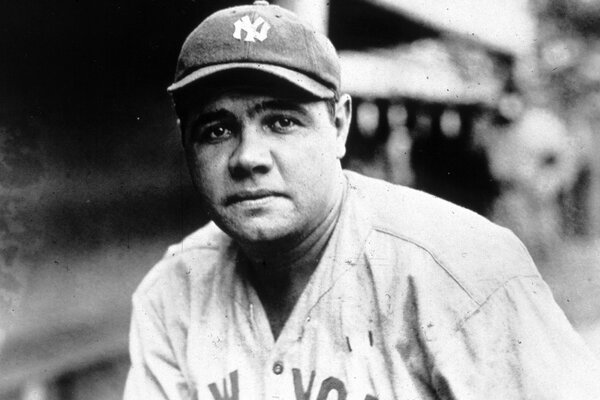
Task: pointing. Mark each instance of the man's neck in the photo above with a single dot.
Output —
(280, 272)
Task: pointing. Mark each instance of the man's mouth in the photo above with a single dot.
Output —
(251, 196)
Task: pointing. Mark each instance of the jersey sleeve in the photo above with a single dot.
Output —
(154, 371)
(517, 345)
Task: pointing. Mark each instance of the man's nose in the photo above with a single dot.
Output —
(252, 154)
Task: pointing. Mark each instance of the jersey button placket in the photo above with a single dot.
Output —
(276, 389)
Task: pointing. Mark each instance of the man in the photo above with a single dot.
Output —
(315, 283)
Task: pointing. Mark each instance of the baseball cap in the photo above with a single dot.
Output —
(259, 38)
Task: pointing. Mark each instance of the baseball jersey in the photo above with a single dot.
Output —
(414, 298)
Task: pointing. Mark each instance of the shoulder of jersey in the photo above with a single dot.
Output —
(197, 253)
(471, 248)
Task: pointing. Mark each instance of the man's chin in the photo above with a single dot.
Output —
(257, 224)
(263, 234)
(259, 230)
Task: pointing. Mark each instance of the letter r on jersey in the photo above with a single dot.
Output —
(251, 29)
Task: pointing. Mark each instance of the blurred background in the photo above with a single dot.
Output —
(492, 105)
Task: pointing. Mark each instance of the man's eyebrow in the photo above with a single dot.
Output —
(279, 104)
(211, 116)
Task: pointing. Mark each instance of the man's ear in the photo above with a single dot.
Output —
(181, 132)
(343, 117)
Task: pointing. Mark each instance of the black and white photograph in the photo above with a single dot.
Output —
(300, 200)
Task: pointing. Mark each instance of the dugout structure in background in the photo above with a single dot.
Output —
(425, 86)
(417, 108)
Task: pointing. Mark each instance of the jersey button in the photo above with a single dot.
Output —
(278, 368)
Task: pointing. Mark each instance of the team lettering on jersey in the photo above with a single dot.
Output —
(231, 390)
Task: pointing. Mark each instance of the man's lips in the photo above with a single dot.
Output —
(248, 195)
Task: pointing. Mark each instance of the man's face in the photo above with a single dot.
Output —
(267, 166)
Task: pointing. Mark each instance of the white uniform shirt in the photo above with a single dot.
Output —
(414, 298)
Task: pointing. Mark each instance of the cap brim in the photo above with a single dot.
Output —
(296, 78)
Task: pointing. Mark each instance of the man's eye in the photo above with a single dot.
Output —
(213, 134)
(282, 124)
(218, 132)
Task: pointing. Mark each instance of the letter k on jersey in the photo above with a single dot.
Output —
(251, 29)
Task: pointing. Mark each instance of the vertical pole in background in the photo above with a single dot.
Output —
(316, 12)
(594, 199)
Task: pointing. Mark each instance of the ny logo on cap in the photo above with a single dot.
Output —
(251, 29)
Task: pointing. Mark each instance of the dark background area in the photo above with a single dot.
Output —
(82, 86)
